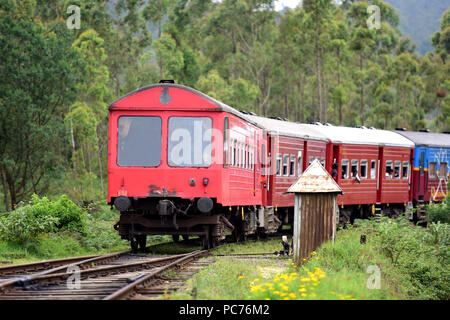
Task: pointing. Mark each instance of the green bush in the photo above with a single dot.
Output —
(439, 211)
(69, 215)
(24, 224)
(29, 222)
(421, 255)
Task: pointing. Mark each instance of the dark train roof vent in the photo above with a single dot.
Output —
(252, 113)
(446, 132)
(363, 127)
(318, 124)
(400, 129)
(424, 130)
(167, 81)
(328, 124)
(243, 111)
(285, 119)
(373, 128)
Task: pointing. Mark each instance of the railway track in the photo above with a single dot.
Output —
(121, 275)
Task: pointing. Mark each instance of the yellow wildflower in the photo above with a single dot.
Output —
(241, 277)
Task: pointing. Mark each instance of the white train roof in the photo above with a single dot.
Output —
(286, 128)
(362, 136)
(427, 139)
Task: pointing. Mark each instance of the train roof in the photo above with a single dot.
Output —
(427, 139)
(362, 136)
(144, 97)
(287, 128)
(141, 98)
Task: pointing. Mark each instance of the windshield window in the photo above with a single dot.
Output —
(189, 141)
(139, 141)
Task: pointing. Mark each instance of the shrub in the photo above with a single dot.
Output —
(24, 224)
(439, 211)
(69, 215)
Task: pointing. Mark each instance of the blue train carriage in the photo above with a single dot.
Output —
(431, 165)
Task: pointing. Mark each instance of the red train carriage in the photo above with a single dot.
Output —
(373, 169)
(182, 163)
(291, 148)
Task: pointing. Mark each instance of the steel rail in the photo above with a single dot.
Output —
(52, 273)
(40, 265)
(129, 289)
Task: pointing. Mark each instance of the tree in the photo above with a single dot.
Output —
(39, 76)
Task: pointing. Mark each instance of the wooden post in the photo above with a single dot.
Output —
(297, 225)
(315, 210)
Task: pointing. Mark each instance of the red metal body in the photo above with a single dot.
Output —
(372, 187)
(230, 185)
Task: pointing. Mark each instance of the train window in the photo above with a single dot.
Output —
(355, 164)
(239, 155)
(278, 164)
(397, 169)
(373, 169)
(252, 157)
(189, 141)
(405, 170)
(443, 170)
(292, 166)
(263, 159)
(242, 155)
(139, 141)
(389, 170)
(422, 163)
(248, 157)
(285, 165)
(311, 159)
(322, 162)
(344, 169)
(363, 169)
(299, 164)
(225, 141)
(432, 170)
(234, 153)
(244, 165)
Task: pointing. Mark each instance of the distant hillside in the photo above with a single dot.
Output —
(419, 19)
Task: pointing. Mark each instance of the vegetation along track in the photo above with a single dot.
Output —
(124, 276)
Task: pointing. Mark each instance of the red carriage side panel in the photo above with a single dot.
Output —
(360, 188)
(395, 184)
(287, 154)
(241, 175)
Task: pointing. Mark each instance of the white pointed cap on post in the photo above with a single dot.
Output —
(315, 179)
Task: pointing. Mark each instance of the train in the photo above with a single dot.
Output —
(182, 163)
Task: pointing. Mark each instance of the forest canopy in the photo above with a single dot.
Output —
(317, 62)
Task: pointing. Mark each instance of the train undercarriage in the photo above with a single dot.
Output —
(201, 217)
(212, 222)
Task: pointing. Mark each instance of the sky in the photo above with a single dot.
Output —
(279, 4)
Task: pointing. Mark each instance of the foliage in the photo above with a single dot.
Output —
(317, 62)
(29, 222)
(69, 215)
(26, 224)
(439, 211)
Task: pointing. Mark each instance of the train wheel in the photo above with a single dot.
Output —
(134, 244)
(185, 238)
(176, 238)
(142, 242)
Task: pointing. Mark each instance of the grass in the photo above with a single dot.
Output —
(345, 270)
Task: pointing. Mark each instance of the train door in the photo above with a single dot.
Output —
(264, 170)
(336, 158)
(254, 163)
(421, 182)
(380, 173)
